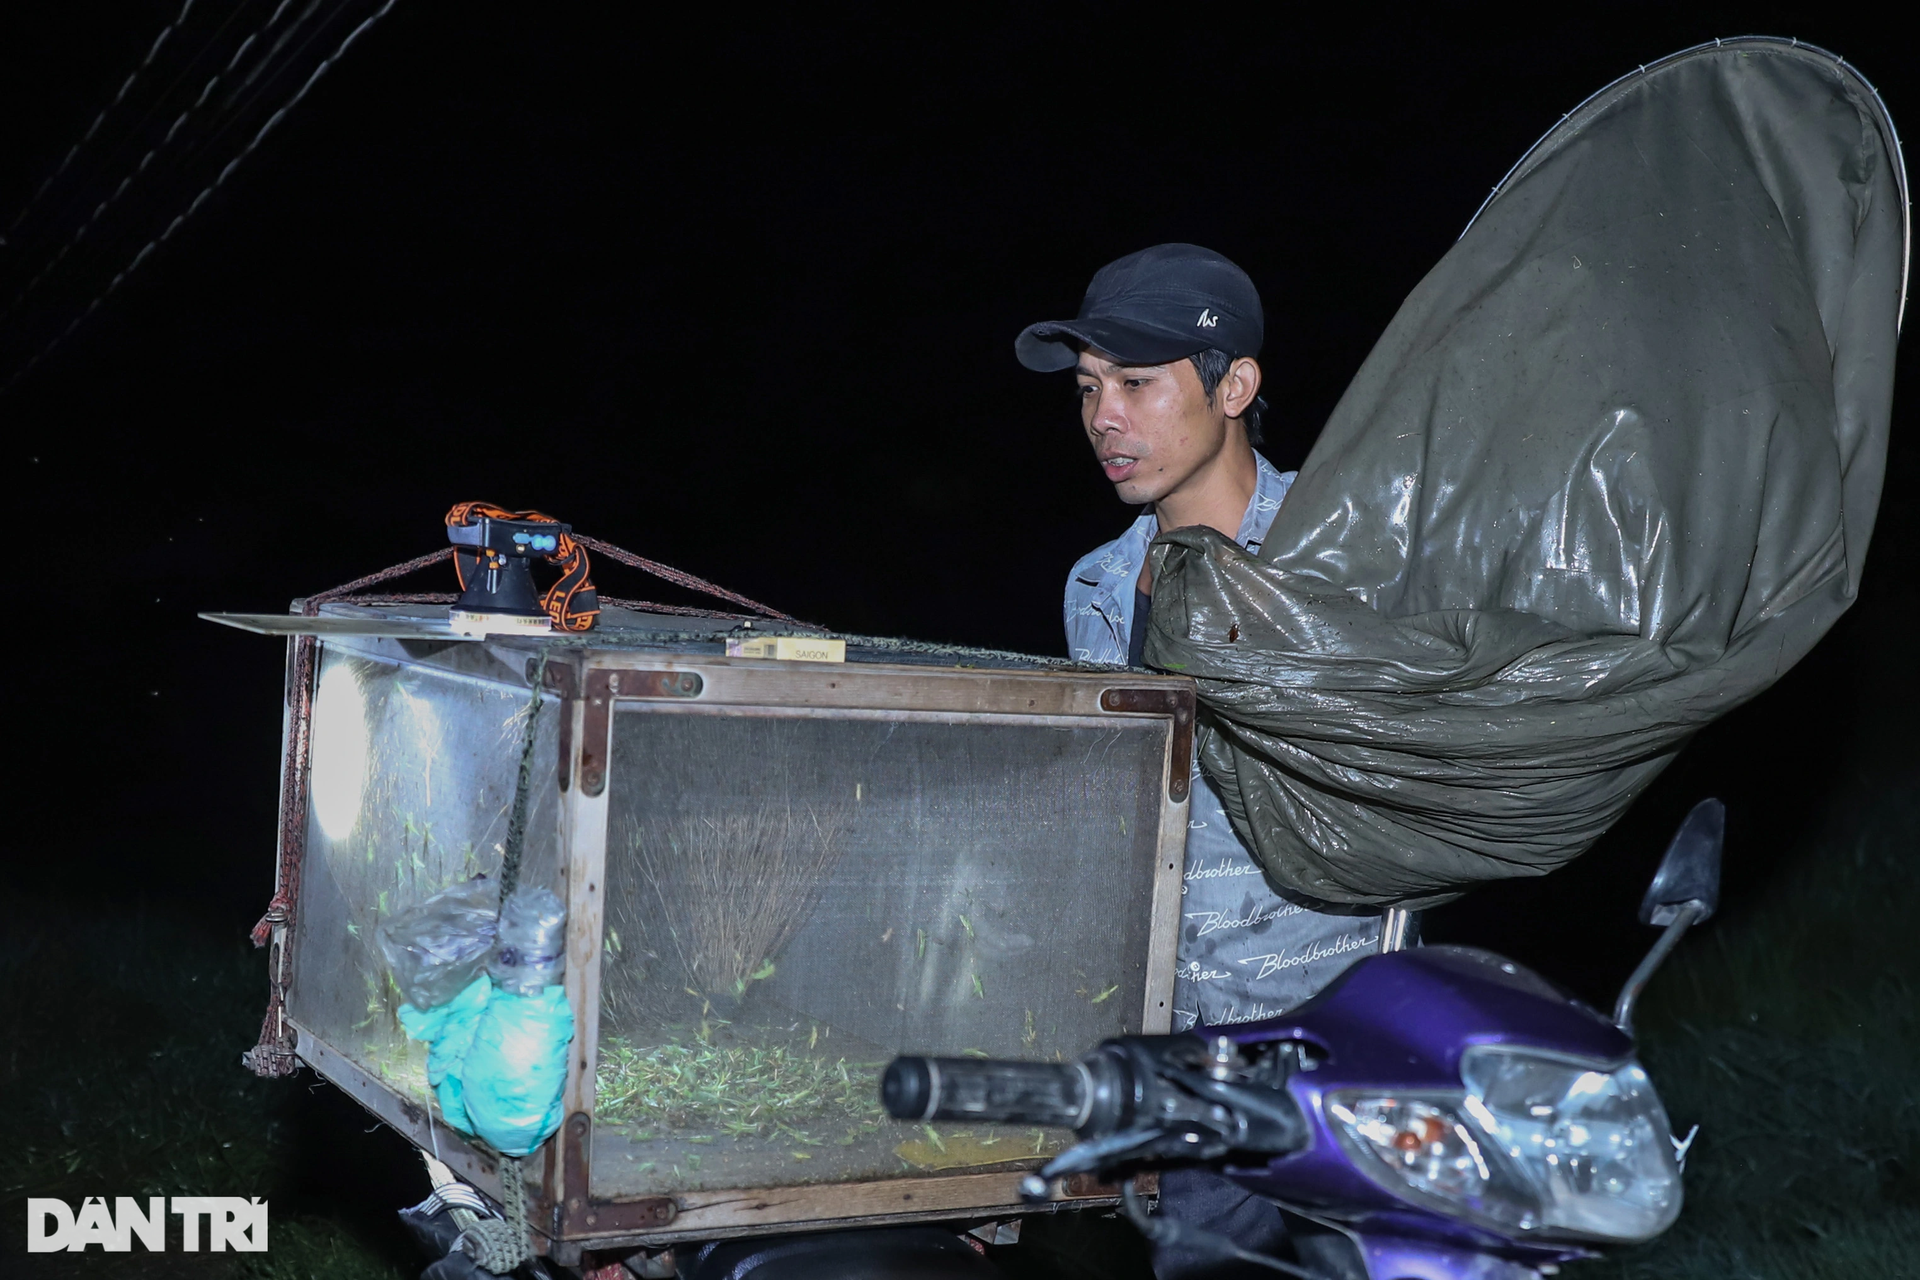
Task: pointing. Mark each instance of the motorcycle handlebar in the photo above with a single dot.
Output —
(1158, 1097)
(987, 1090)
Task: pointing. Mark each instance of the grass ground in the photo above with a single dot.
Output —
(1790, 1032)
(122, 1030)
(1788, 1029)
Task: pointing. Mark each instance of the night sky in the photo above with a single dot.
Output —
(739, 293)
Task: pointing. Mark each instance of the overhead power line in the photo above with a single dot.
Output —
(140, 166)
(267, 70)
(98, 120)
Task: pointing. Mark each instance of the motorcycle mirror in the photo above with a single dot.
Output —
(1691, 870)
(1685, 891)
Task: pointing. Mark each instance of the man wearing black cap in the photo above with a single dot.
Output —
(1164, 350)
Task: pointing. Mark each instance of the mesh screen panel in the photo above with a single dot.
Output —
(413, 777)
(793, 899)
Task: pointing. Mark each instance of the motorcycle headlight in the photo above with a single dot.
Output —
(1533, 1143)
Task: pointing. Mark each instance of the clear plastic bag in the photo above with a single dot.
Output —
(438, 947)
(530, 950)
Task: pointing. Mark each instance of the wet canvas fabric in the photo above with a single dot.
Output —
(1245, 952)
(1611, 470)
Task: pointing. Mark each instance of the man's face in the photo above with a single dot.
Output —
(1150, 425)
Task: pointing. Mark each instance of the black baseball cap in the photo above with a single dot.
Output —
(1151, 307)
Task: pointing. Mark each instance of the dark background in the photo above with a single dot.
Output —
(738, 292)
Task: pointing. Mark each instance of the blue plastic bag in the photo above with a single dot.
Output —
(448, 1030)
(515, 1068)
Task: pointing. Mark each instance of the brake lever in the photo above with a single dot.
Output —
(1184, 1141)
(1169, 1112)
(1269, 1120)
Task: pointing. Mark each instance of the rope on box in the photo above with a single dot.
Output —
(501, 1246)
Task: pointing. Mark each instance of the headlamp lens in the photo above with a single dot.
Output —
(1532, 1143)
(1595, 1144)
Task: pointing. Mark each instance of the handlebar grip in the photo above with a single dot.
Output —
(988, 1090)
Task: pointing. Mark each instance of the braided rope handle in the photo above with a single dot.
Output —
(500, 1244)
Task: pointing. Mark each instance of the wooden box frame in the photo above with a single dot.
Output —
(588, 685)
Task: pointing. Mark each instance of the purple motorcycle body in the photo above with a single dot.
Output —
(1399, 1023)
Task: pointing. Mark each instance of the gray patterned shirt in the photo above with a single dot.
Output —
(1246, 952)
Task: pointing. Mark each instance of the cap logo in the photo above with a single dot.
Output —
(1207, 319)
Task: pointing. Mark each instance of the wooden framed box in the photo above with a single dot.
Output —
(778, 874)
